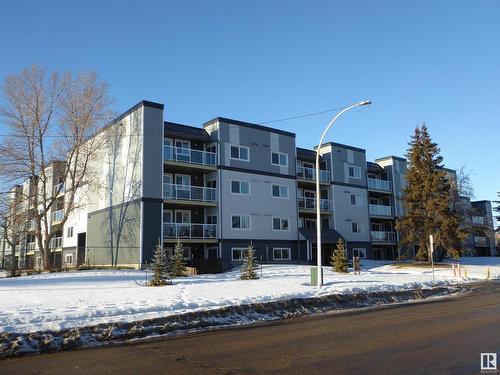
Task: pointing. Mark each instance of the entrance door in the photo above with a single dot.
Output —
(81, 243)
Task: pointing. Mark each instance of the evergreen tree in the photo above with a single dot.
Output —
(339, 257)
(497, 210)
(428, 200)
(178, 266)
(159, 267)
(248, 271)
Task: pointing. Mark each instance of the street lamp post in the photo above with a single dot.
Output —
(318, 198)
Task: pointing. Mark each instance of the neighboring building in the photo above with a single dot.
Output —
(222, 186)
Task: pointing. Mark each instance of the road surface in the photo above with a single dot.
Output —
(440, 337)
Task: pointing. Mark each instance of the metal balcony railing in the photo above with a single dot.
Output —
(57, 216)
(188, 155)
(31, 246)
(481, 240)
(55, 243)
(376, 184)
(382, 237)
(310, 174)
(189, 193)
(379, 210)
(189, 231)
(310, 203)
(478, 220)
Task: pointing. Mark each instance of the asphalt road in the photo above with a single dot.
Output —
(440, 337)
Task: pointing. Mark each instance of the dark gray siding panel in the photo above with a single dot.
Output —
(151, 228)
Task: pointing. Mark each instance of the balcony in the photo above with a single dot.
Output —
(478, 220)
(310, 204)
(59, 189)
(55, 243)
(31, 246)
(57, 216)
(190, 231)
(305, 173)
(381, 185)
(196, 158)
(383, 237)
(379, 210)
(32, 225)
(481, 241)
(190, 194)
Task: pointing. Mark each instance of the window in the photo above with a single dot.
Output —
(69, 232)
(354, 171)
(359, 252)
(240, 221)
(238, 253)
(212, 184)
(281, 253)
(280, 223)
(356, 228)
(280, 191)
(356, 200)
(279, 158)
(68, 259)
(212, 219)
(353, 199)
(240, 153)
(240, 187)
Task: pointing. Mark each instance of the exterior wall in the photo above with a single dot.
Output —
(344, 213)
(264, 250)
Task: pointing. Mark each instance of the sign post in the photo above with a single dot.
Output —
(431, 241)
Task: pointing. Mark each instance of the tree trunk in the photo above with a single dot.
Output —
(14, 263)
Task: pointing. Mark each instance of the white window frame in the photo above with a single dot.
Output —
(240, 181)
(279, 191)
(355, 168)
(241, 221)
(359, 227)
(242, 250)
(281, 251)
(280, 154)
(66, 256)
(281, 223)
(182, 176)
(239, 152)
(182, 142)
(171, 215)
(355, 199)
(69, 232)
(182, 212)
(360, 250)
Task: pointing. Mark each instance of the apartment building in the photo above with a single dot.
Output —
(221, 186)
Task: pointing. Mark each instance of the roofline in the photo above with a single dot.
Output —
(334, 144)
(178, 124)
(390, 157)
(248, 125)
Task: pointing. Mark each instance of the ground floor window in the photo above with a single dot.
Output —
(359, 252)
(281, 253)
(212, 252)
(238, 253)
(68, 259)
(186, 249)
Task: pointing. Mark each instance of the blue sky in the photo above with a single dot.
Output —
(428, 61)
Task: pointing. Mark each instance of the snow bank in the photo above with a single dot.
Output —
(57, 301)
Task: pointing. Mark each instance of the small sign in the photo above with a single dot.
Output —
(488, 361)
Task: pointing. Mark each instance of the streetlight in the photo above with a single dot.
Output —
(318, 198)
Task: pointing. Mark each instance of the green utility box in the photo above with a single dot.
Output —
(314, 276)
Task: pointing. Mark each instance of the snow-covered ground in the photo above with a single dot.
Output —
(68, 299)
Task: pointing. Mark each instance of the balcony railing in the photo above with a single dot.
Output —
(376, 184)
(478, 220)
(310, 203)
(379, 210)
(310, 174)
(188, 155)
(189, 231)
(31, 246)
(382, 237)
(481, 240)
(55, 243)
(59, 189)
(31, 225)
(189, 193)
(57, 216)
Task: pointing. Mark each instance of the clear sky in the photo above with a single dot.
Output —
(418, 61)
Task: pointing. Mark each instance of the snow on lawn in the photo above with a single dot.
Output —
(55, 301)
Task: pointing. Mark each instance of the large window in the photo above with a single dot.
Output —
(359, 252)
(354, 171)
(281, 253)
(281, 223)
(280, 191)
(240, 221)
(240, 187)
(240, 152)
(356, 228)
(238, 253)
(279, 158)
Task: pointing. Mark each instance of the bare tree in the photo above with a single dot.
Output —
(51, 121)
(464, 184)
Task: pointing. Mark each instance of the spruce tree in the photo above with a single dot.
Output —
(248, 271)
(178, 266)
(339, 257)
(159, 267)
(497, 211)
(428, 200)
